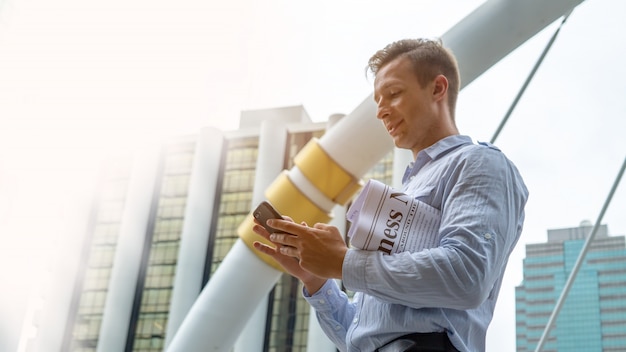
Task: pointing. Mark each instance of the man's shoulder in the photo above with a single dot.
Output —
(478, 150)
(480, 156)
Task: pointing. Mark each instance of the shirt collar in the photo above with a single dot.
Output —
(440, 148)
(445, 145)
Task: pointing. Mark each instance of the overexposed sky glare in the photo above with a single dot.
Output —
(83, 79)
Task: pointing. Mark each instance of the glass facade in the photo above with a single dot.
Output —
(235, 196)
(593, 317)
(156, 284)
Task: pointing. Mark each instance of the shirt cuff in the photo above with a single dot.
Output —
(325, 298)
(354, 269)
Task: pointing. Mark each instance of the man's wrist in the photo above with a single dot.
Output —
(313, 285)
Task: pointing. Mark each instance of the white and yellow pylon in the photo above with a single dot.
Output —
(328, 170)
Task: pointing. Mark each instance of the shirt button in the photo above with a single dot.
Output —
(488, 236)
(322, 301)
(330, 292)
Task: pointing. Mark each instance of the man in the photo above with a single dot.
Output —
(436, 299)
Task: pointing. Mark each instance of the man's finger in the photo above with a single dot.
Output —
(261, 247)
(289, 251)
(261, 231)
(287, 226)
(283, 239)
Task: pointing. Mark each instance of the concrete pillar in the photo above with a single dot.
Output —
(270, 162)
(203, 185)
(127, 260)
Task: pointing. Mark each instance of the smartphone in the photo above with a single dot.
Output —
(266, 211)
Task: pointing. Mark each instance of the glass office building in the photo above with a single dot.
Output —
(593, 317)
(128, 308)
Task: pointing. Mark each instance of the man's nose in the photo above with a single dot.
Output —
(382, 111)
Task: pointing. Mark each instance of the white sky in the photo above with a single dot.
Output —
(81, 79)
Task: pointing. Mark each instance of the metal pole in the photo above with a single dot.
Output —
(528, 79)
(579, 262)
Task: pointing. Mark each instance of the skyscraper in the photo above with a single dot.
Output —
(593, 317)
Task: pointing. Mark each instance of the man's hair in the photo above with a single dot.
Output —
(429, 58)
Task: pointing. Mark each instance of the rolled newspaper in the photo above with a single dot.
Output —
(387, 220)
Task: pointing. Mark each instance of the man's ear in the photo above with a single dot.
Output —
(440, 87)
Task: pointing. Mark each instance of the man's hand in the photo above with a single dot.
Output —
(320, 249)
(292, 266)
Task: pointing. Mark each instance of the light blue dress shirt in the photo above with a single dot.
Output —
(452, 287)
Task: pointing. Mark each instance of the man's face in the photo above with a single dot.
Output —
(404, 107)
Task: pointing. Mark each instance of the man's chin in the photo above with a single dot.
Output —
(397, 141)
